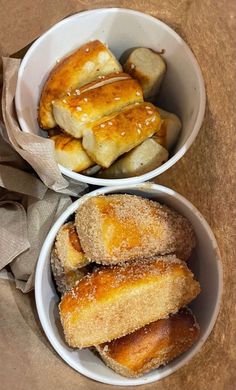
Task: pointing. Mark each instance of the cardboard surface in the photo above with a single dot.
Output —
(206, 176)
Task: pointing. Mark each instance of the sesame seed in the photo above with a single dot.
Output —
(150, 112)
(85, 99)
(110, 123)
(58, 60)
(77, 91)
(140, 125)
(53, 101)
(78, 108)
(147, 107)
(153, 119)
(123, 133)
(64, 100)
(138, 93)
(139, 131)
(87, 49)
(84, 117)
(68, 93)
(136, 103)
(132, 66)
(117, 98)
(102, 125)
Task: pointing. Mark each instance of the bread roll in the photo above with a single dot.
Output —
(82, 66)
(142, 159)
(75, 113)
(70, 153)
(65, 280)
(148, 68)
(118, 228)
(169, 132)
(151, 346)
(68, 248)
(114, 301)
(119, 133)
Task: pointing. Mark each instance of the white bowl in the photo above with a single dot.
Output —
(205, 263)
(183, 89)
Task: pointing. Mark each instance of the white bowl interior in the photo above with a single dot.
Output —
(205, 263)
(182, 90)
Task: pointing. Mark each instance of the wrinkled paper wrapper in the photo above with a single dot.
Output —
(34, 191)
(32, 199)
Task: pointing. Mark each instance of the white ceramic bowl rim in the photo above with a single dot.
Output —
(39, 269)
(176, 156)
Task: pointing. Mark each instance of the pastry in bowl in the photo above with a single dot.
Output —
(153, 345)
(118, 228)
(90, 61)
(114, 301)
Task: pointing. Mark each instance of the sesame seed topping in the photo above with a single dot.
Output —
(68, 93)
(102, 125)
(136, 103)
(147, 107)
(140, 125)
(139, 131)
(85, 99)
(117, 98)
(84, 117)
(53, 101)
(138, 93)
(150, 112)
(78, 108)
(110, 123)
(64, 100)
(153, 119)
(58, 60)
(132, 66)
(87, 49)
(77, 91)
(123, 133)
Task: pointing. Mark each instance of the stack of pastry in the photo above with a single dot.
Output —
(121, 268)
(97, 117)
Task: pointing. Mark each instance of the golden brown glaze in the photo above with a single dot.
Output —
(117, 134)
(151, 346)
(84, 65)
(118, 228)
(76, 112)
(70, 153)
(114, 301)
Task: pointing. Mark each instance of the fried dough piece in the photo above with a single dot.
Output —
(118, 133)
(148, 68)
(75, 113)
(117, 300)
(91, 60)
(169, 132)
(70, 153)
(68, 261)
(151, 346)
(140, 160)
(118, 228)
(65, 280)
(68, 248)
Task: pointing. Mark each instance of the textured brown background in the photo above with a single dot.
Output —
(206, 176)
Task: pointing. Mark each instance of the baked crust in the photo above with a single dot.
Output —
(153, 345)
(77, 112)
(118, 133)
(118, 228)
(117, 300)
(91, 60)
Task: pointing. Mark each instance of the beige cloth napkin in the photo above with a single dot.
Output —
(33, 193)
